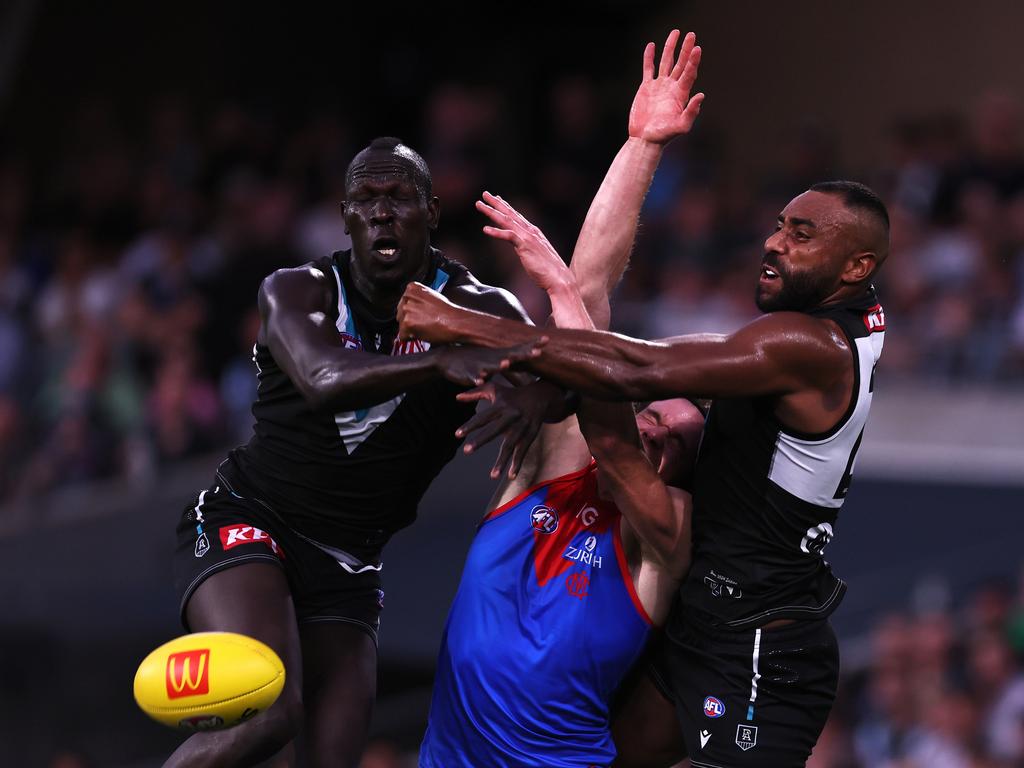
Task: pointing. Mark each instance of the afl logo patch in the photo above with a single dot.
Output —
(713, 707)
(544, 519)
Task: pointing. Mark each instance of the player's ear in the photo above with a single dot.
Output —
(433, 212)
(344, 212)
(859, 267)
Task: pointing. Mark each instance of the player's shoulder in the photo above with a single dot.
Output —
(302, 285)
(474, 294)
(799, 334)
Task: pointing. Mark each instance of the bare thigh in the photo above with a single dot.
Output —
(252, 599)
(645, 728)
(340, 663)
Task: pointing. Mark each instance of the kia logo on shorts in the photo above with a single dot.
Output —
(713, 707)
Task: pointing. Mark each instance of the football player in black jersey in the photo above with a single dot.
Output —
(748, 658)
(351, 427)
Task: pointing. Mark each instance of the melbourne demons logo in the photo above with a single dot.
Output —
(577, 584)
(544, 519)
(188, 673)
(874, 319)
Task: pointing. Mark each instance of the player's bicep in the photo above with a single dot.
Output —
(296, 327)
(771, 356)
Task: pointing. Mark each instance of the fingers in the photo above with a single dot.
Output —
(689, 115)
(488, 432)
(484, 427)
(649, 62)
(689, 74)
(668, 54)
(501, 234)
(684, 55)
(478, 394)
(507, 453)
(519, 451)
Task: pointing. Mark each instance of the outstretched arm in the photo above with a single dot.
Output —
(304, 341)
(778, 354)
(662, 110)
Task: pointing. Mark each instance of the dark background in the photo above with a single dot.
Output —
(158, 159)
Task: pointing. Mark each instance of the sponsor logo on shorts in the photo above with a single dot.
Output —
(201, 723)
(746, 736)
(705, 737)
(202, 545)
(544, 519)
(577, 584)
(380, 599)
(188, 673)
(232, 536)
(585, 553)
(722, 586)
(713, 707)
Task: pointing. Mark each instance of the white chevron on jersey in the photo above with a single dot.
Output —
(813, 470)
(355, 426)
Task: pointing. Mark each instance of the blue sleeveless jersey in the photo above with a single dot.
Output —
(545, 625)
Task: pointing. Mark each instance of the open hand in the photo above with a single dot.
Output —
(538, 257)
(662, 108)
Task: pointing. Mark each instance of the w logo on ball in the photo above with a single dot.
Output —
(188, 673)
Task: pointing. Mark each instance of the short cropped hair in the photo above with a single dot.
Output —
(420, 172)
(856, 195)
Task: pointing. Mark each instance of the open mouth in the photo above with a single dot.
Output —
(386, 247)
(768, 273)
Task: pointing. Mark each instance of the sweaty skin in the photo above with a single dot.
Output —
(804, 362)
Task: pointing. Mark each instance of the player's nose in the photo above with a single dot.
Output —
(381, 211)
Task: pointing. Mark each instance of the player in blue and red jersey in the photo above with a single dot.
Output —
(579, 555)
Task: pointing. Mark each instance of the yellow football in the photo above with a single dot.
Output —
(208, 680)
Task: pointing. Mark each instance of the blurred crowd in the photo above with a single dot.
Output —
(131, 254)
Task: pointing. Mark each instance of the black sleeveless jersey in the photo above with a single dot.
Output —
(353, 478)
(766, 498)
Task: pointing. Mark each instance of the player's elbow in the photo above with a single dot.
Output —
(317, 387)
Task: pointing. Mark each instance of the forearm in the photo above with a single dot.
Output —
(350, 379)
(606, 239)
(567, 307)
(595, 363)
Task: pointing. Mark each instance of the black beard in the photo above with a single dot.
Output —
(800, 292)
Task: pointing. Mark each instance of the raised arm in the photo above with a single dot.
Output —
(662, 109)
(657, 516)
(302, 337)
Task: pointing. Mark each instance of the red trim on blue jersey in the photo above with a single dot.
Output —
(532, 489)
(620, 555)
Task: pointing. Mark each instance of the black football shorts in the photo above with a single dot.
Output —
(220, 529)
(752, 697)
